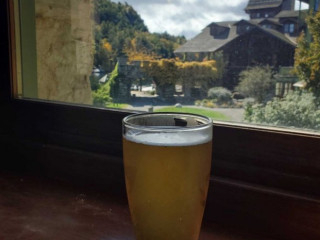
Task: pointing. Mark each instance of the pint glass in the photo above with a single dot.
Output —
(167, 161)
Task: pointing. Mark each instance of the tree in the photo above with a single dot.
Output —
(125, 32)
(104, 56)
(307, 56)
(257, 82)
(122, 15)
(137, 52)
(108, 91)
(220, 95)
(155, 45)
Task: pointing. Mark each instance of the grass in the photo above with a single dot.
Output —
(212, 114)
(117, 105)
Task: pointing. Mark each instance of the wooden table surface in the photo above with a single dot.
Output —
(41, 209)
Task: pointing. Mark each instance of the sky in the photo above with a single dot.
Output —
(186, 17)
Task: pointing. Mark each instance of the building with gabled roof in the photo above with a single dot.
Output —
(268, 39)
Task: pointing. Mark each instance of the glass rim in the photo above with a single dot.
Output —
(207, 122)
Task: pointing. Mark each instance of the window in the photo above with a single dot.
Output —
(113, 60)
(289, 28)
(266, 26)
(54, 134)
(56, 62)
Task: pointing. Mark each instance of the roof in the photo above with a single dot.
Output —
(279, 35)
(205, 42)
(270, 20)
(300, 84)
(287, 14)
(258, 4)
(276, 33)
(259, 21)
(103, 79)
(224, 24)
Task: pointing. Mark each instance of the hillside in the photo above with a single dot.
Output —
(120, 30)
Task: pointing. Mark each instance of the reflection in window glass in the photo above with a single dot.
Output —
(202, 57)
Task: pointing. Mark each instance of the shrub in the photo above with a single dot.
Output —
(101, 97)
(114, 83)
(247, 101)
(108, 91)
(258, 83)
(205, 103)
(152, 92)
(295, 110)
(198, 102)
(209, 104)
(220, 95)
(94, 82)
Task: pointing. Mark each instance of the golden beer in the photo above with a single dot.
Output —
(167, 177)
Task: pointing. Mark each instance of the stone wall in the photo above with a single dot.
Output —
(64, 35)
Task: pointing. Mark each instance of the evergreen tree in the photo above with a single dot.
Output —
(258, 83)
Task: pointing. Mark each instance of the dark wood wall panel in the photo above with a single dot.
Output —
(270, 158)
(264, 181)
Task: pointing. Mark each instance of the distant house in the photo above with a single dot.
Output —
(104, 79)
(268, 38)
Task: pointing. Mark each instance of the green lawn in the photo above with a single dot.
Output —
(117, 105)
(212, 114)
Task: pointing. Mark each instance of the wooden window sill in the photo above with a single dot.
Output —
(38, 208)
(263, 180)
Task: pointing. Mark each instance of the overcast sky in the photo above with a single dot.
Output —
(186, 17)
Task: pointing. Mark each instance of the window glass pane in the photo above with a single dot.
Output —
(231, 60)
(286, 28)
(291, 28)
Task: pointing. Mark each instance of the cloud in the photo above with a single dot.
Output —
(186, 17)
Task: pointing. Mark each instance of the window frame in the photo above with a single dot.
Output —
(77, 142)
(289, 27)
(286, 27)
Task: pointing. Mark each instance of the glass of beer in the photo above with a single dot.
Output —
(167, 162)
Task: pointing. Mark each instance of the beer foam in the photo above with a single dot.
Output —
(168, 138)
